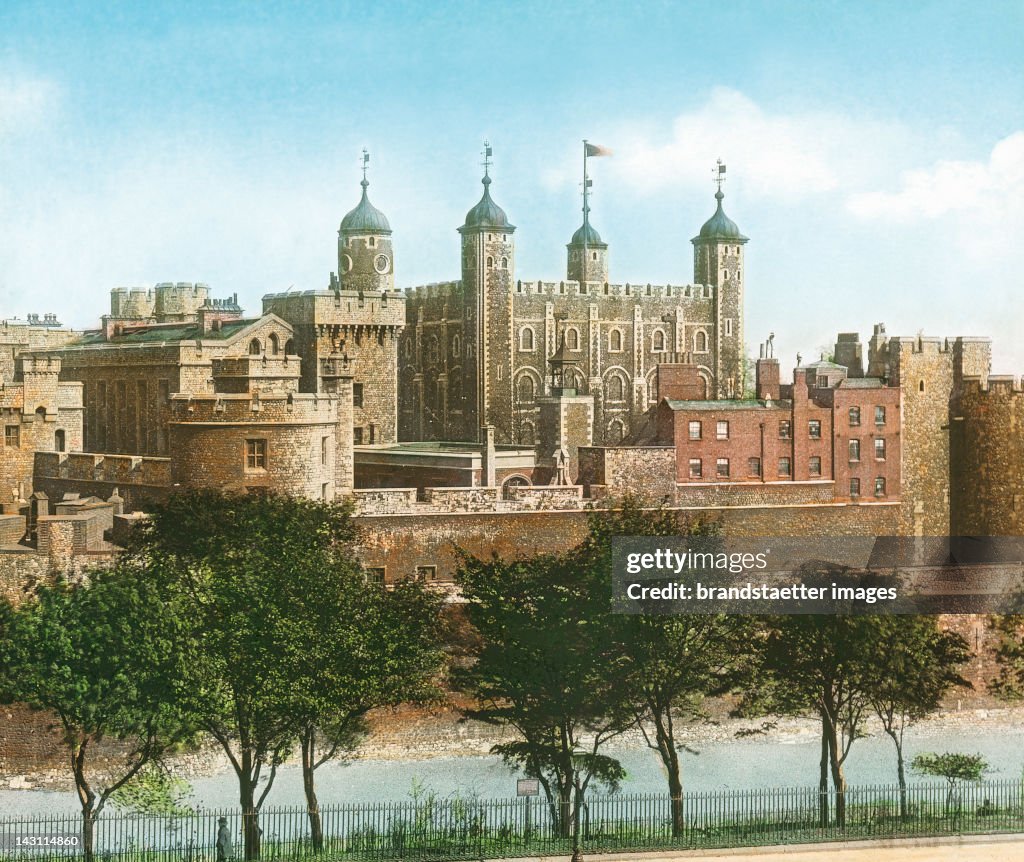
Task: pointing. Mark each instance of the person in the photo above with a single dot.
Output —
(224, 851)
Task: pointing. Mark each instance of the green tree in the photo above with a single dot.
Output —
(543, 667)
(915, 664)
(955, 768)
(102, 657)
(281, 631)
(377, 647)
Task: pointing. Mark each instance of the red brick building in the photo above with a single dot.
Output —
(825, 436)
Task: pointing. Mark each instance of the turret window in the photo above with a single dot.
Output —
(728, 326)
(373, 242)
(490, 262)
(504, 263)
(526, 340)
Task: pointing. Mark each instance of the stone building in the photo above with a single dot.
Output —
(475, 351)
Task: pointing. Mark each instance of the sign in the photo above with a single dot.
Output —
(527, 787)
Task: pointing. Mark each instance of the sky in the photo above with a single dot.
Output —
(875, 150)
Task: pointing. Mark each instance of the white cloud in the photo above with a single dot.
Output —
(25, 103)
(780, 156)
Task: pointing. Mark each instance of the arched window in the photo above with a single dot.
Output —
(615, 340)
(275, 344)
(572, 339)
(40, 413)
(658, 341)
(528, 434)
(255, 347)
(616, 390)
(58, 440)
(504, 263)
(490, 262)
(527, 390)
(700, 342)
(456, 346)
(616, 431)
(652, 389)
(526, 338)
(513, 482)
(289, 347)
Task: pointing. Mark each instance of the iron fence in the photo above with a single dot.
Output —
(451, 829)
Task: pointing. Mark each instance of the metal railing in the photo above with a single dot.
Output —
(442, 829)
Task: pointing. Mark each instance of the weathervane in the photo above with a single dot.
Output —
(487, 158)
(366, 162)
(719, 174)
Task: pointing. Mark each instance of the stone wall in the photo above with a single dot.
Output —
(643, 472)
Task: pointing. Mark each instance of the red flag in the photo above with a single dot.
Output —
(595, 150)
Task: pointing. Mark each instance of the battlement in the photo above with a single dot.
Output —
(48, 320)
(93, 467)
(435, 290)
(256, 407)
(373, 308)
(598, 289)
(32, 363)
(994, 384)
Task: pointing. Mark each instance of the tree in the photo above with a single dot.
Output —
(915, 664)
(282, 632)
(377, 647)
(102, 657)
(955, 768)
(544, 667)
(670, 663)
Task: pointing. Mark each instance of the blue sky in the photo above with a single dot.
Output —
(875, 150)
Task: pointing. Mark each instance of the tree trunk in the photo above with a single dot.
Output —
(838, 779)
(316, 830)
(670, 758)
(823, 805)
(88, 835)
(901, 774)
(250, 821)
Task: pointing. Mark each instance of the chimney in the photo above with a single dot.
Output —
(768, 379)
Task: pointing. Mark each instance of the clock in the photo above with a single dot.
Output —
(346, 263)
(380, 263)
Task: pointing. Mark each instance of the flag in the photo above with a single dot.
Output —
(487, 151)
(721, 169)
(595, 150)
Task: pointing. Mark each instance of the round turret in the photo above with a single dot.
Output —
(588, 236)
(365, 218)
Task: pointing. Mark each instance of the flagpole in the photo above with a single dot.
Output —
(586, 213)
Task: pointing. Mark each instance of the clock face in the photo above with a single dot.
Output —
(346, 263)
(381, 263)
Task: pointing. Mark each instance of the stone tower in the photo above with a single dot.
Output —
(488, 266)
(718, 261)
(365, 257)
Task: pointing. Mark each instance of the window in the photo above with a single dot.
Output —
(58, 440)
(255, 347)
(357, 394)
(615, 340)
(373, 242)
(658, 341)
(879, 415)
(920, 386)
(700, 342)
(722, 430)
(376, 575)
(880, 448)
(426, 573)
(572, 339)
(616, 389)
(880, 486)
(785, 467)
(526, 338)
(722, 468)
(695, 430)
(490, 262)
(854, 417)
(325, 490)
(12, 435)
(323, 449)
(275, 344)
(527, 390)
(504, 263)
(256, 454)
(728, 326)
(814, 429)
(696, 468)
(357, 436)
(785, 429)
(814, 465)
(854, 450)
(753, 466)
(855, 487)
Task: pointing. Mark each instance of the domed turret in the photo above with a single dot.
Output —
(486, 213)
(365, 218)
(720, 226)
(588, 235)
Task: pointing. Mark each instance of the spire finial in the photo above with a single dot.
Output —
(366, 164)
(487, 163)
